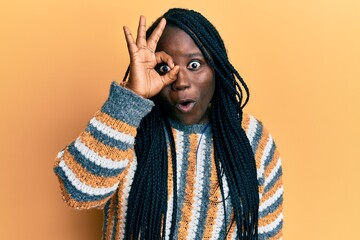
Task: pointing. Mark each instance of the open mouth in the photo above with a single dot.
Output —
(185, 106)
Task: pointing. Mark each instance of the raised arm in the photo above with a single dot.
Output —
(93, 167)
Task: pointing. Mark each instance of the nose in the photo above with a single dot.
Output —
(183, 80)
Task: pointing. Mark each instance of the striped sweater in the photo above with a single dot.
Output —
(97, 169)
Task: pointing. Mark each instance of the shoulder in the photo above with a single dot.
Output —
(261, 142)
(254, 128)
(259, 136)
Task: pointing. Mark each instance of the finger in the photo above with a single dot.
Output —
(156, 34)
(171, 76)
(163, 57)
(141, 32)
(129, 40)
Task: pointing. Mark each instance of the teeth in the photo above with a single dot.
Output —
(186, 106)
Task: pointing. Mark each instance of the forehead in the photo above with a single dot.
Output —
(175, 41)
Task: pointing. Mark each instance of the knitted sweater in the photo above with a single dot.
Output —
(97, 169)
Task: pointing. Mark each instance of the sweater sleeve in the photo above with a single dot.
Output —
(90, 168)
(269, 174)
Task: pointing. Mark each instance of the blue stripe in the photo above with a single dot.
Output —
(182, 182)
(261, 180)
(126, 106)
(273, 181)
(115, 217)
(206, 189)
(228, 209)
(273, 207)
(76, 194)
(270, 156)
(266, 163)
(105, 139)
(106, 214)
(92, 167)
(257, 136)
(272, 233)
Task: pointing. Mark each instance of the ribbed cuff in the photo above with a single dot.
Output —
(125, 105)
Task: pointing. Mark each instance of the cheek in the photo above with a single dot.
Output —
(210, 86)
(163, 96)
(213, 84)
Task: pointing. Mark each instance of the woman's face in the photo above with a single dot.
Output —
(187, 100)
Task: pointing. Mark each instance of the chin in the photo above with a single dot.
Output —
(193, 121)
(186, 121)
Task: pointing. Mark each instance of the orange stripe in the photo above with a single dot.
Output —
(121, 200)
(261, 188)
(110, 217)
(272, 191)
(277, 236)
(271, 217)
(118, 216)
(214, 200)
(79, 205)
(272, 163)
(245, 122)
(189, 190)
(84, 176)
(261, 146)
(170, 166)
(57, 162)
(232, 229)
(115, 124)
(105, 150)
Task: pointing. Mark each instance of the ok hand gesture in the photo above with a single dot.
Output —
(143, 78)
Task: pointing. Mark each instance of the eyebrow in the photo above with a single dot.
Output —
(197, 54)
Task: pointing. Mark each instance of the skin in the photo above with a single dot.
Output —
(171, 67)
(188, 98)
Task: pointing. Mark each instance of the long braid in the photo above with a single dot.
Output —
(232, 148)
(174, 170)
(148, 195)
(147, 205)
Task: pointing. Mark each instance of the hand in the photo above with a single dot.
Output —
(143, 78)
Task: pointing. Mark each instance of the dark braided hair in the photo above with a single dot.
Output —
(147, 204)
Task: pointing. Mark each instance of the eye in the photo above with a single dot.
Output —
(193, 65)
(163, 68)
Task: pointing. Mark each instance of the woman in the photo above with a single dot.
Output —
(171, 154)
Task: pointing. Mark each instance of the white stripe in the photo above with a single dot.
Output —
(273, 172)
(82, 186)
(271, 226)
(169, 215)
(60, 154)
(269, 144)
(112, 133)
(198, 188)
(179, 145)
(271, 200)
(220, 213)
(179, 159)
(252, 129)
(218, 222)
(234, 234)
(98, 160)
(179, 156)
(125, 197)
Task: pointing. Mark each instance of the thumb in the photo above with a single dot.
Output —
(171, 76)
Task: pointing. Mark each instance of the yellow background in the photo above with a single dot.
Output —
(300, 59)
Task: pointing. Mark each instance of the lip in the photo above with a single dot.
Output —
(185, 105)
